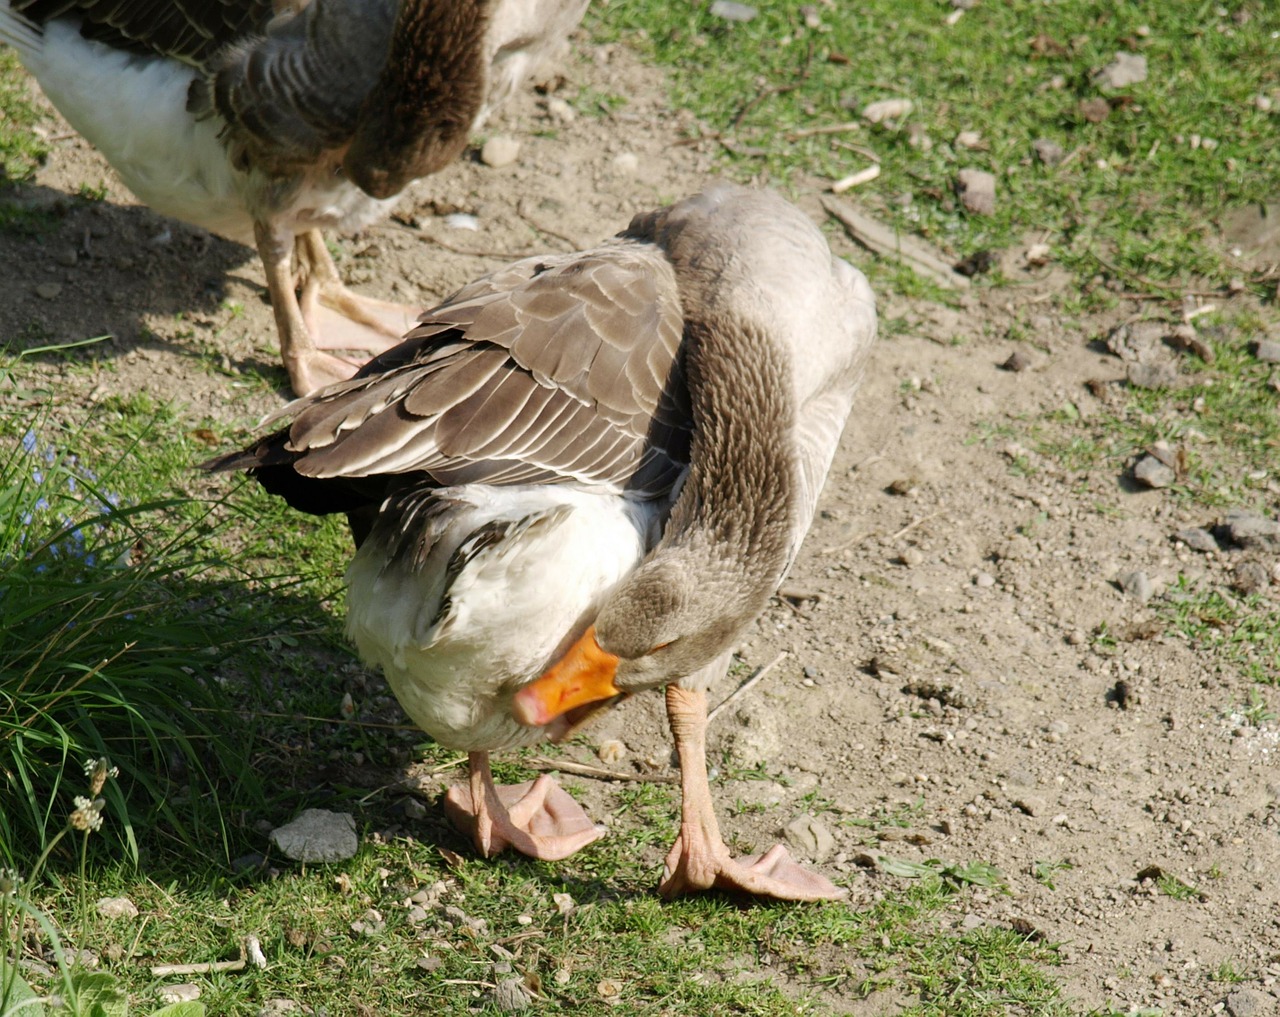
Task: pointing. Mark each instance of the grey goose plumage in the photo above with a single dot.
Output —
(602, 461)
(267, 122)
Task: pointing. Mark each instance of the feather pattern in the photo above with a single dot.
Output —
(484, 388)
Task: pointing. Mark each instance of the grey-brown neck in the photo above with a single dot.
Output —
(728, 539)
(418, 116)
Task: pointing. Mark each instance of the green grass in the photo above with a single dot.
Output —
(1016, 72)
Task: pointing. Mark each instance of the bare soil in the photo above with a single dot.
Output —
(940, 651)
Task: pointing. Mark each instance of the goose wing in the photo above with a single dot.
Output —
(553, 370)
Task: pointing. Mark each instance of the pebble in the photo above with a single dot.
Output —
(500, 151)
(626, 163)
(1153, 473)
(67, 257)
(414, 809)
(1125, 70)
(1137, 585)
(1031, 805)
(886, 109)
(561, 111)
(117, 907)
(510, 995)
(1017, 362)
(1249, 1003)
(810, 838)
(1197, 539)
(1153, 376)
(1048, 152)
(318, 835)
(911, 557)
(984, 580)
(1250, 530)
(1250, 577)
(1266, 350)
(977, 190)
(731, 11)
(183, 992)
(48, 290)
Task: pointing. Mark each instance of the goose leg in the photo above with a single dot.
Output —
(538, 818)
(309, 368)
(356, 322)
(700, 859)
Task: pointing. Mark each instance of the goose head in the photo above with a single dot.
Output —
(418, 117)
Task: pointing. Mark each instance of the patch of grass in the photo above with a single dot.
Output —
(1243, 630)
(1171, 886)
(1131, 201)
(1042, 871)
(21, 150)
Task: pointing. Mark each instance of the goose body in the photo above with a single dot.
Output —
(265, 122)
(584, 475)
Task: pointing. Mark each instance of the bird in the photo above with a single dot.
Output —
(584, 476)
(268, 121)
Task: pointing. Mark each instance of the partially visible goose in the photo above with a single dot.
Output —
(595, 468)
(267, 121)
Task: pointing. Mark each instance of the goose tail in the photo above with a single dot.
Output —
(20, 32)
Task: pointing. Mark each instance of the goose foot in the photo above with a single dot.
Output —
(772, 874)
(700, 860)
(538, 818)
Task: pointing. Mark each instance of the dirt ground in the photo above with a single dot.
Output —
(939, 654)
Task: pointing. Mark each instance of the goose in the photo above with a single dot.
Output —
(267, 121)
(585, 475)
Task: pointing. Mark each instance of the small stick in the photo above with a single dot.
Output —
(863, 176)
(161, 970)
(759, 673)
(807, 132)
(911, 526)
(598, 772)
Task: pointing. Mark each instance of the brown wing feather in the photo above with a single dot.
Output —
(190, 30)
(553, 369)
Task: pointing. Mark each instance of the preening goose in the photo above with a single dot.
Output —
(267, 121)
(586, 474)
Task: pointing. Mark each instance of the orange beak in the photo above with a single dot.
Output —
(583, 675)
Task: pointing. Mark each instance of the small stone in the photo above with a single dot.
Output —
(500, 151)
(1095, 110)
(1017, 362)
(1197, 539)
(1250, 577)
(1266, 350)
(984, 580)
(1249, 1003)
(318, 835)
(731, 11)
(626, 164)
(810, 838)
(1137, 585)
(977, 190)
(971, 140)
(414, 809)
(511, 995)
(911, 557)
(1050, 153)
(1038, 255)
(67, 257)
(560, 111)
(1153, 473)
(1125, 70)
(1249, 530)
(1031, 805)
(183, 992)
(886, 109)
(117, 907)
(48, 290)
(1153, 376)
